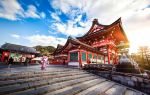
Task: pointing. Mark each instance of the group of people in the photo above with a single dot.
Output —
(11, 61)
(44, 62)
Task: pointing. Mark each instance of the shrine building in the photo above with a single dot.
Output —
(17, 52)
(102, 44)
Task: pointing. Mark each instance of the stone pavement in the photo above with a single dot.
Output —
(57, 80)
(21, 68)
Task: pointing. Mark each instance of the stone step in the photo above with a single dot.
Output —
(133, 92)
(20, 81)
(37, 72)
(74, 89)
(62, 81)
(54, 86)
(30, 75)
(33, 72)
(97, 89)
(116, 90)
(34, 84)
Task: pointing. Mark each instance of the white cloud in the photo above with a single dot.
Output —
(60, 27)
(45, 40)
(42, 14)
(105, 10)
(59, 4)
(135, 16)
(32, 12)
(15, 36)
(12, 10)
(69, 29)
(55, 17)
(65, 5)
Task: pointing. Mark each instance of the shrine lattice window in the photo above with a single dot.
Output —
(83, 56)
(95, 57)
(89, 56)
(74, 56)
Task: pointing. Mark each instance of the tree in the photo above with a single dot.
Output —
(45, 50)
(144, 52)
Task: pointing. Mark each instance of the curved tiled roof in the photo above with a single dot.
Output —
(19, 48)
(104, 29)
(59, 47)
(74, 41)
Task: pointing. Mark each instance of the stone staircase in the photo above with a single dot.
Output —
(62, 81)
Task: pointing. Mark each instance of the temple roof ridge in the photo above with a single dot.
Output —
(60, 45)
(15, 47)
(95, 21)
(96, 27)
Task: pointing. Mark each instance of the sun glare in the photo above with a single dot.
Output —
(138, 39)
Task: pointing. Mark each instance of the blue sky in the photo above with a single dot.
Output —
(49, 22)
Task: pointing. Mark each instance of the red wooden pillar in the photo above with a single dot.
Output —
(68, 56)
(108, 54)
(116, 57)
(104, 59)
(87, 60)
(96, 58)
(104, 56)
(92, 57)
(80, 60)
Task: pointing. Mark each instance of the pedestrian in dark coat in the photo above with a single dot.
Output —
(27, 61)
(10, 62)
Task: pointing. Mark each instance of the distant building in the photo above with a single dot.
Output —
(17, 52)
(101, 44)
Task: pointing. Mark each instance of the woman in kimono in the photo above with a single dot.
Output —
(44, 62)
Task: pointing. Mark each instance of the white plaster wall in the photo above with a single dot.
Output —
(73, 64)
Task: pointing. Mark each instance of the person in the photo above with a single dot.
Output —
(64, 63)
(10, 61)
(44, 62)
(26, 61)
(113, 68)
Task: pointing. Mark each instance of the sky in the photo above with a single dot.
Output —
(50, 22)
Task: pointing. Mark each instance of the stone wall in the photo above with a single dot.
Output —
(130, 80)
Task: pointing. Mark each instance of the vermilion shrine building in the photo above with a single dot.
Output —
(17, 52)
(101, 44)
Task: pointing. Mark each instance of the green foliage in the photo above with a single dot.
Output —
(45, 50)
(143, 57)
(144, 51)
